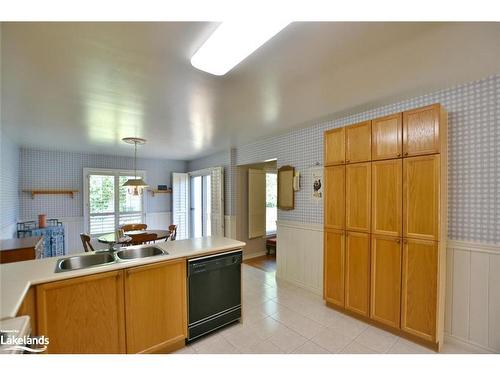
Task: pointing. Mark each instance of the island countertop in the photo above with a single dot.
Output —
(17, 278)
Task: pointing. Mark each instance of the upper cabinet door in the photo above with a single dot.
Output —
(387, 205)
(387, 137)
(334, 257)
(334, 181)
(358, 197)
(335, 146)
(421, 131)
(357, 273)
(359, 142)
(421, 185)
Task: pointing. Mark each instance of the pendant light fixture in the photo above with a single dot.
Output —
(136, 185)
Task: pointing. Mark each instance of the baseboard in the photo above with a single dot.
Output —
(453, 339)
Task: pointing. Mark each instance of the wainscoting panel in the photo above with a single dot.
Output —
(8, 231)
(73, 226)
(299, 254)
(158, 220)
(230, 226)
(473, 294)
(472, 312)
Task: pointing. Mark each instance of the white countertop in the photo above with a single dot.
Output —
(16, 278)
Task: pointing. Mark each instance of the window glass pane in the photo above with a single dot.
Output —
(128, 202)
(271, 202)
(101, 194)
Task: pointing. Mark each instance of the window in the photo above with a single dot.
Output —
(271, 202)
(107, 203)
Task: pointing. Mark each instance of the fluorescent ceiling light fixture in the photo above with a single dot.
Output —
(232, 42)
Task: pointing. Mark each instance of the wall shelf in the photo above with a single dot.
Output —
(156, 191)
(34, 192)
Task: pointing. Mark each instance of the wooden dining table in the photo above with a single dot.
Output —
(111, 239)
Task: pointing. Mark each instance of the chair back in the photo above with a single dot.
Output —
(130, 227)
(139, 239)
(87, 246)
(173, 232)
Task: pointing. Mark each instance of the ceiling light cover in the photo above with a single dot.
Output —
(232, 42)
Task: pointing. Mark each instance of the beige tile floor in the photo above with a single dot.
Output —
(279, 317)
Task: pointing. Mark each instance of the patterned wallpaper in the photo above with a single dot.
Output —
(474, 157)
(57, 169)
(9, 200)
(220, 159)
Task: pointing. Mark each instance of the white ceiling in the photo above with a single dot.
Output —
(84, 86)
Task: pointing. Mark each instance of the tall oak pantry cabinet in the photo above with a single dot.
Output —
(385, 223)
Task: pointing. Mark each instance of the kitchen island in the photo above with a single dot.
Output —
(133, 306)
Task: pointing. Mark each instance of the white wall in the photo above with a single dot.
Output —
(472, 312)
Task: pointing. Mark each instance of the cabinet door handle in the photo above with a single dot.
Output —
(398, 241)
(398, 154)
(341, 162)
(405, 241)
(406, 153)
(347, 161)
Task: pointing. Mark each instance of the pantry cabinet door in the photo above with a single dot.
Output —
(359, 142)
(334, 259)
(387, 205)
(83, 315)
(421, 190)
(358, 197)
(357, 268)
(334, 146)
(387, 140)
(421, 131)
(334, 181)
(155, 306)
(419, 288)
(386, 280)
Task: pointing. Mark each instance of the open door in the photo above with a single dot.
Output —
(256, 203)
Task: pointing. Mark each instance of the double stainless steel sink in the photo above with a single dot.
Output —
(107, 257)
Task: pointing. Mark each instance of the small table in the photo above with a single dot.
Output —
(111, 239)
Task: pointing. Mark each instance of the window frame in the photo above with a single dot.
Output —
(116, 173)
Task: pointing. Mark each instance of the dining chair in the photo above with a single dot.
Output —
(130, 227)
(145, 238)
(173, 232)
(87, 246)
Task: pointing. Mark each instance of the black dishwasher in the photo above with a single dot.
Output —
(214, 292)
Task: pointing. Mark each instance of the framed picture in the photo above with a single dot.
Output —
(317, 183)
(286, 200)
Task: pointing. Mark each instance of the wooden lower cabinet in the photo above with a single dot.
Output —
(357, 273)
(155, 307)
(420, 288)
(28, 307)
(83, 314)
(334, 259)
(385, 295)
